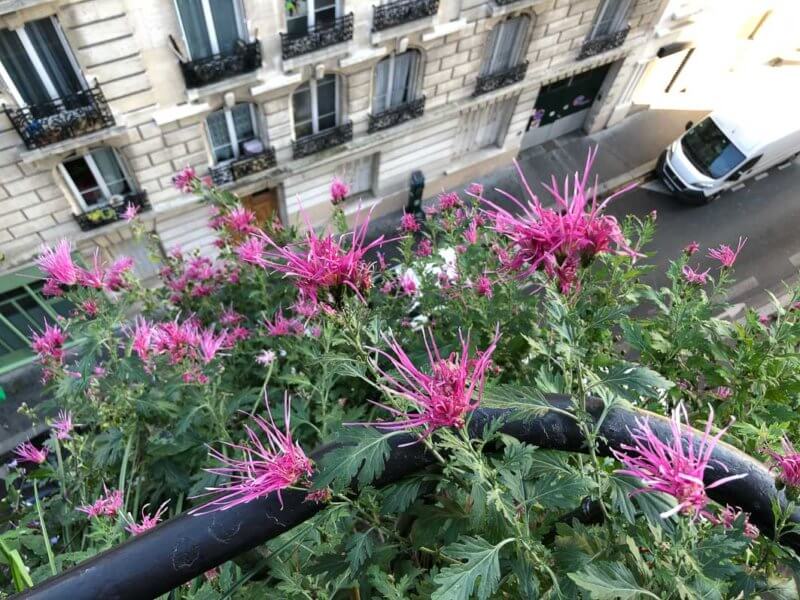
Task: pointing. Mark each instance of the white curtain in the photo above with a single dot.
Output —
(395, 78)
(402, 71)
(111, 171)
(195, 28)
(226, 24)
(220, 139)
(379, 103)
(505, 45)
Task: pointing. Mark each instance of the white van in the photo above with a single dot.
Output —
(728, 147)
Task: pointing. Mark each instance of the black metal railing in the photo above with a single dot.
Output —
(242, 167)
(494, 81)
(402, 11)
(186, 546)
(396, 115)
(504, 2)
(311, 144)
(99, 217)
(62, 119)
(317, 37)
(598, 45)
(244, 58)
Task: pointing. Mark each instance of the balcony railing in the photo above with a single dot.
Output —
(235, 170)
(402, 11)
(494, 81)
(318, 37)
(604, 43)
(61, 119)
(396, 115)
(504, 2)
(99, 217)
(311, 144)
(245, 58)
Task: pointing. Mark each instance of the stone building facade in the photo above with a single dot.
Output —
(104, 100)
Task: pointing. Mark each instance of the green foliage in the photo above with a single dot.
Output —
(361, 456)
(609, 581)
(480, 573)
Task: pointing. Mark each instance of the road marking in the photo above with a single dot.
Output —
(795, 259)
(736, 188)
(761, 176)
(742, 287)
(732, 312)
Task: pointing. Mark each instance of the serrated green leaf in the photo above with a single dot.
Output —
(363, 454)
(628, 380)
(399, 496)
(359, 549)
(457, 582)
(609, 581)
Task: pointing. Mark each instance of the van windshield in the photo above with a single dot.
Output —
(710, 150)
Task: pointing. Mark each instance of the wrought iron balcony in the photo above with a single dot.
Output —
(402, 11)
(235, 170)
(318, 37)
(601, 44)
(396, 115)
(311, 144)
(61, 119)
(99, 217)
(504, 2)
(495, 81)
(245, 58)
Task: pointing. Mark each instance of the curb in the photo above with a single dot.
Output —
(640, 174)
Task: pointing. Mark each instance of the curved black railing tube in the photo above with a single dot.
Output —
(186, 546)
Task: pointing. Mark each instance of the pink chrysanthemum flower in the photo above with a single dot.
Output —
(691, 248)
(184, 179)
(443, 397)
(723, 392)
(141, 338)
(265, 358)
(448, 200)
(475, 189)
(29, 453)
(787, 462)
(210, 343)
(106, 505)
(675, 467)
(408, 223)
(725, 254)
(252, 251)
(471, 233)
(57, 263)
(730, 515)
(131, 211)
(281, 326)
(408, 284)
(339, 191)
(695, 277)
(558, 240)
(241, 220)
(424, 248)
(50, 344)
(148, 521)
(264, 467)
(63, 425)
(483, 286)
(90, 307)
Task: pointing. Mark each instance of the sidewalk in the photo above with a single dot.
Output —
(627, 152)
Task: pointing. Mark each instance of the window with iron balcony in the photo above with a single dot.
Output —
(317, 117)
(503, 64)
(395, 100)
(236, 144)
(54, 100)
(609, 29)
(217, 45)
(399, 12)
(312, 25)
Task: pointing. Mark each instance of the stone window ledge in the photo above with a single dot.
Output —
(390, 33)
(10, 6)
(493, 9)
(65, 147)
(318, 56)
(442, 29)
(220, 87)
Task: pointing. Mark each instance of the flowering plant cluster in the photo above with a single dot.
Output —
(211, 389)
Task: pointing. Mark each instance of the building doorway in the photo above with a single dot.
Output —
(562, 106)
(264, 204)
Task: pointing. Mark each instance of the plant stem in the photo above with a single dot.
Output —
(123, 470)
(50, 558)
(62, 481)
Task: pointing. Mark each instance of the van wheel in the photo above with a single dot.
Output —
(709, 199)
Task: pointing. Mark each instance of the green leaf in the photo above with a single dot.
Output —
(398, 497)
(564, 492)
(19, 572)
(359, 549)
(482, 568)
(609, 581)
(628, 380)
(363, 453)
(526, 402)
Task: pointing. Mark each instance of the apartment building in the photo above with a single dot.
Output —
(104, 100)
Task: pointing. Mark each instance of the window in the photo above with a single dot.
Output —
(506, 45)
(358, 174)
(39, 64)
(303, 15)
(610, 18)
(314, 105)
(211, 26)
(96, 178)
(396, 79)
(23, 309)
(233, 132)
(710, 150)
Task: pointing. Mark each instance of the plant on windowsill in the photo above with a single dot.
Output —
(101, 215)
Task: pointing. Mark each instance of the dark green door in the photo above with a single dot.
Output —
(567, 96)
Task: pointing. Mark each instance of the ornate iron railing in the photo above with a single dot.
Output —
(504, 2)
(109, 214)
(318, 37)
(311, 144)
(396, 115)
(494, 81)
(402, 11)
(235, 170)
(601, 44)
(245, 58)
(187, 546)
(61, 119)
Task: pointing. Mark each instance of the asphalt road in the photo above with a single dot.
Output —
(767, 212)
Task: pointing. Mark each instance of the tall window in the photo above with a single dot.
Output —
(396, 79)
(211, 26)
(97, 177)
(302, 15)
(39, 63)
(506, 45)
(233, 132)
(610, 18)
(314, 105)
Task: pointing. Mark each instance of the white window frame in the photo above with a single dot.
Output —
(413, 76)
(208, 15)
(497, 32)
(232, 137)
(311, 16)
(315, 105)
(98, 177)
(38, 66)
(622, 8)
